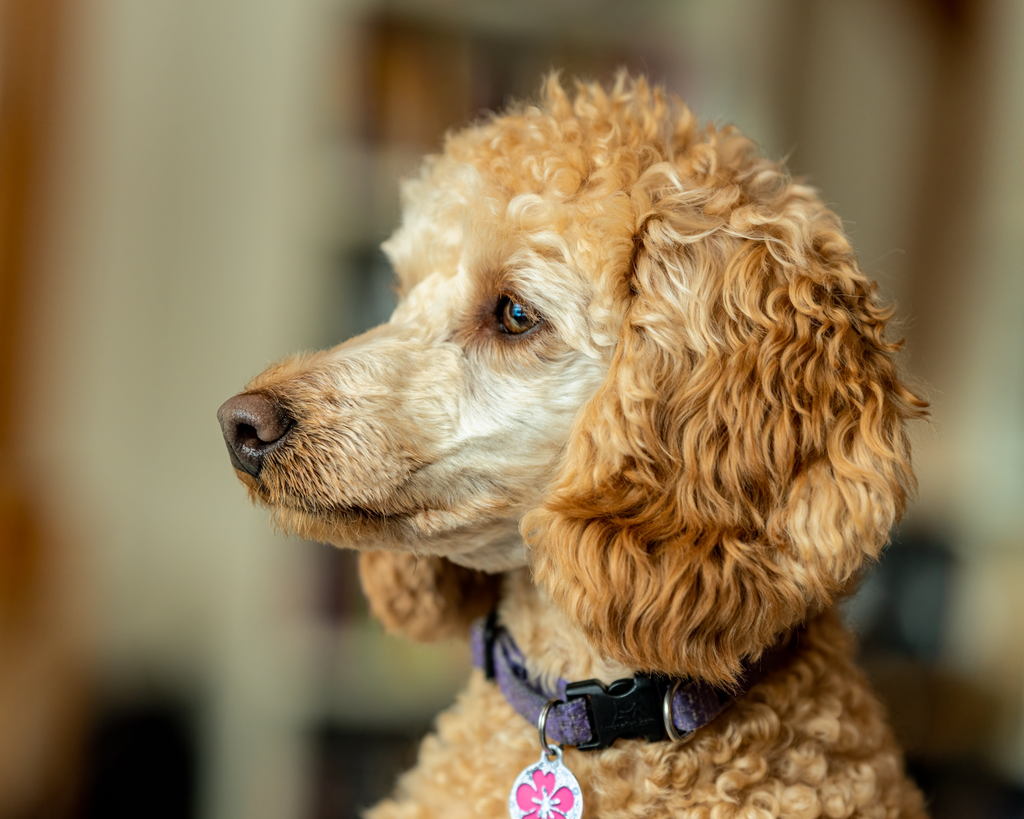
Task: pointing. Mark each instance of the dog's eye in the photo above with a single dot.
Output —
(516, 318)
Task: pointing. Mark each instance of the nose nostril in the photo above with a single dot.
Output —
(247, 435)
(245, 431)
(252, 425)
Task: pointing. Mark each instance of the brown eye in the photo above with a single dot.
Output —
(516, 318)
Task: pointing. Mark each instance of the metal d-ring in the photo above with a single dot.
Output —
(542, 728)
(666, 713)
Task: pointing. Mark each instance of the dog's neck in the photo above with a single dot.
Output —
(552, 646)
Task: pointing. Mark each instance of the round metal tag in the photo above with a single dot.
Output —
(546, 790)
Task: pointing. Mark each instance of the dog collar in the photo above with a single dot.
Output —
(591, 715)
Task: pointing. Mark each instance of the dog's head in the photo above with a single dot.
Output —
(635, 346)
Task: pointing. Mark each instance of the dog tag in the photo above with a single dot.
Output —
(546, 790)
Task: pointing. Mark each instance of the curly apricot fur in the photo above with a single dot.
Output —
(425, 598)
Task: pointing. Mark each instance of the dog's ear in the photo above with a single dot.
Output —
(425, 598)
(747, 451)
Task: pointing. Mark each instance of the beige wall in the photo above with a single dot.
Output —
(186, 258)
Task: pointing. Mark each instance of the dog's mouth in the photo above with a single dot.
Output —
(279, 498)
(411, 521)
(297, 509)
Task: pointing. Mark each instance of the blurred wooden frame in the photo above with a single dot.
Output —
(29, 34)
(29, 37)
(42, 690)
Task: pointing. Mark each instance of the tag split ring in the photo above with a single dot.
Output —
(542, 726)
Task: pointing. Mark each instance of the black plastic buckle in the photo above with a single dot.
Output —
(490, 635)
(626, 708)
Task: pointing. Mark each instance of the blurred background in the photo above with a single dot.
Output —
(191, 189)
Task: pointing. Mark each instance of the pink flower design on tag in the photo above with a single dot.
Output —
(538, 802)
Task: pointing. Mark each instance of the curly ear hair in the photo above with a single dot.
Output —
(425, 598)
(747, 451)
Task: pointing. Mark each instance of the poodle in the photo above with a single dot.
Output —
(635, 403)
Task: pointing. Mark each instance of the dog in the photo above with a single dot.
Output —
(637, 400)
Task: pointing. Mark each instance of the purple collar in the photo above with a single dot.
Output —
(592, 716)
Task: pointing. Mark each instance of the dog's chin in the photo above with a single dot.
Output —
(349, 526)
(475, 535)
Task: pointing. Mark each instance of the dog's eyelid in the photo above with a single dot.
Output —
(529, 294)
(509, 295)
(508, 292)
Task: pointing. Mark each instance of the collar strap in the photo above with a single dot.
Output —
(591, 715)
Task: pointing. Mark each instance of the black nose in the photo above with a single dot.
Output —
(253, 425)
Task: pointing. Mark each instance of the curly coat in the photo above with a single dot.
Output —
(693, 449)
